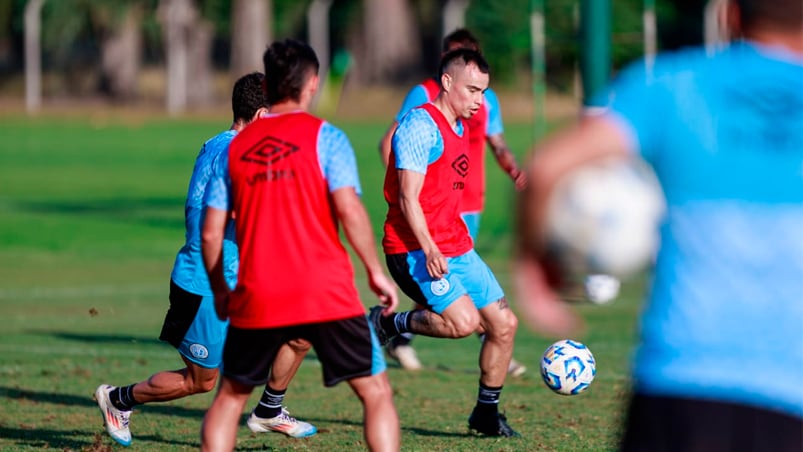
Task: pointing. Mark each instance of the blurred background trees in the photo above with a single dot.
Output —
(112, 48)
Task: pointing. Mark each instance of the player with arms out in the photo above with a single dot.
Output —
(291, 180)
(484, 126)
(720, 360)
(191, 324)
(427, 246)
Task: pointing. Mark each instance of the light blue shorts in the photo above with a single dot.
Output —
(468, 274)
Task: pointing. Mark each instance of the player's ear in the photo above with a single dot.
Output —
(259, 113)
(446, 81)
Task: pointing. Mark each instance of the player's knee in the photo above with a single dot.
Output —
(376, 389)
(299, 345)
(503, 329)
(465, 324)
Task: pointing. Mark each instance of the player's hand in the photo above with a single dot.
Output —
(539, 303)
(436, 264)
(519, 178)
(222, 305)
(385, 290)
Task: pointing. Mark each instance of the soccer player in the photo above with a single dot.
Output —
(427, 246)
(291, 179)
(191, 324)
(484, 126)
(720, 361)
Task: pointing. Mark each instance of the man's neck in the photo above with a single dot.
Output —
(790, 41)
(448, 113)
(286, 107)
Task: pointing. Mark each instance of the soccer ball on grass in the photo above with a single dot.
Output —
(568, 367)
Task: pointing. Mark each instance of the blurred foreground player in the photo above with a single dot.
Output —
(720, 363)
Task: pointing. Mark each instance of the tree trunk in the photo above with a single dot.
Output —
(391, 47)
(33, 55)
(250, 35)
(121, 54)
(188, 49)
(200, 79)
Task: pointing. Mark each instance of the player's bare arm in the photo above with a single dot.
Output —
(507, 161)
(212, 252)
(385, 143)
(357, 226)
(410, 183)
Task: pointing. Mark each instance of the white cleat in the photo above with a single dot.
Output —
(116, 421)
(283, 423)
(406, 356)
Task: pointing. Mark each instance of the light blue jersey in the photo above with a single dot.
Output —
(335, 156)
(189, 272)
(418, 96)
(725, 137)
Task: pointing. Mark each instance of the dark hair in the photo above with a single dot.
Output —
(462, 56)
(782, 14)
(248, 96)
(463, 37)
(288, 63)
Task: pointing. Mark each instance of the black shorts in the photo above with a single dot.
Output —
(183, 309)
(346, 349)
(668, 424)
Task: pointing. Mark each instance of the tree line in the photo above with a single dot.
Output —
(99, 47)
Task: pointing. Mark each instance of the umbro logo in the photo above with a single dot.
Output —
(268, 151)
(460, 164)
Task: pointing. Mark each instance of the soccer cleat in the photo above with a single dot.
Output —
(516, 369)
(283, 423)
(375, 316)
(405, 355)
(116, 421)
(491, 425)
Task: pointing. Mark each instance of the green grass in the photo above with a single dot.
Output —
(91, 215)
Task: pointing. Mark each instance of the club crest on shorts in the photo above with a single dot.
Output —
(198, 351)
(439, 286)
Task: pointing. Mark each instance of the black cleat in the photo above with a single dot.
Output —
(491, 425)
(374, 318)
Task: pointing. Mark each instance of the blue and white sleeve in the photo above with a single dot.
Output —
(495, 126)
(417, 142)
(415, 98)
(218, 189)
(337, 159)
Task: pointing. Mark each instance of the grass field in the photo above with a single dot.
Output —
(91, 215)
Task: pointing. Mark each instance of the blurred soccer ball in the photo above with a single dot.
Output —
(601, 289)
(603, 218)
(568, 367)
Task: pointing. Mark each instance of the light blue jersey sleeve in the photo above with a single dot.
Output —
(218, 190)
(417, 142)
(337, 160)
(494, 114)
(416, 97)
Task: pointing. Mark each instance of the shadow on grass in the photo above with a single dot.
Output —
(155, 212)
(32, 436)
(88, 401)
(101, 338)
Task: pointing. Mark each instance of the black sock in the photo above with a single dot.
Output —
(397, 323)
(270, 404)
(488, 400)
(123, 398)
